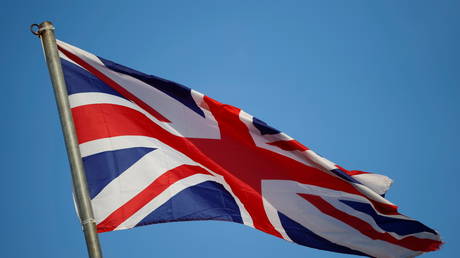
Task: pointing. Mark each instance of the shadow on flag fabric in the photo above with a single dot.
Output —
(156, 151)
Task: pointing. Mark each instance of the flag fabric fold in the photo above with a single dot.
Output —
(156, 151)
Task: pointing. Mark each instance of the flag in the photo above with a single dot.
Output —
(156, 151)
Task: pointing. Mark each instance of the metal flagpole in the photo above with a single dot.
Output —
(46, 33)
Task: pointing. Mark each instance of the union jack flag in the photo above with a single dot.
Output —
(155, 151)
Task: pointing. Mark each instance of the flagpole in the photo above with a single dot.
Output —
(45, 31)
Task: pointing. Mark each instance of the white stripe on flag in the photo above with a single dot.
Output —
(274, 219)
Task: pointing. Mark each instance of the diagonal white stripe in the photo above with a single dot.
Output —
(274, 219)
(117, 143)
(137, 177)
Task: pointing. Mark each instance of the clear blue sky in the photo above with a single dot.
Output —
(371, 85)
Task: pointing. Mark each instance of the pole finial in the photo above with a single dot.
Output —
(37, 29)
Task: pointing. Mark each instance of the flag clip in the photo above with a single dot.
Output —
(35, 29)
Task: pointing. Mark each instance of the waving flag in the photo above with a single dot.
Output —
(155, 151)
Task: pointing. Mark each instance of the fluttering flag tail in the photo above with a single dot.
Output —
(156, 151)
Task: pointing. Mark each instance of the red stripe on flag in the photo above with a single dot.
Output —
(385, 208)
(290, 145)
(410, 242)
(148, 194)
(356, 172)
(352, 172)
(125, 93)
